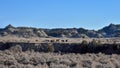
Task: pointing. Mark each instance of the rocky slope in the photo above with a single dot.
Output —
(111, 31)
(108, 31)
(22, 32)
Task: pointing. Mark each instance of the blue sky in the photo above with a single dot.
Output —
(90, 14)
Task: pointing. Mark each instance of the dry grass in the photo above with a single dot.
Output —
(69, 40)
(17, 59)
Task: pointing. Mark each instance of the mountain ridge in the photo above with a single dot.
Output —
(112, 30)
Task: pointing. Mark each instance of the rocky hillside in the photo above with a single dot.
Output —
(109, 31)
(22, 32)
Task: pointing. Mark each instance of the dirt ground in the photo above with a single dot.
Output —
(57, 40)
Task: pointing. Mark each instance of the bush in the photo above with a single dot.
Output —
(99, 42)
(16, 49)
(93, 42)
(51, 48)
(84, 42)
(82, 48)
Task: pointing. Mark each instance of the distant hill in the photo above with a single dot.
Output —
(109, 31)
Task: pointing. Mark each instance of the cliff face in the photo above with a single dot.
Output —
(108, 31)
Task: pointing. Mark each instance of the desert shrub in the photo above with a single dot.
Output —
(93, 45)
(89, 47)
(93, 42)
(51, 48)
(82, 47)
(86, 63)
(84, 42)
(99, 42)
(16, 49)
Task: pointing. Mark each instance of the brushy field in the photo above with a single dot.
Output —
(15, 58)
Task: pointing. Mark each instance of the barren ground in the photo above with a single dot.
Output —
(48, 40)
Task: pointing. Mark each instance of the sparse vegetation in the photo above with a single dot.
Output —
(23, 47)
(51, 48)
(9, 59)
(84, 42)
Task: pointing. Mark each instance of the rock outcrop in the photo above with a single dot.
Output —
(111, 31)
(25, 32)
